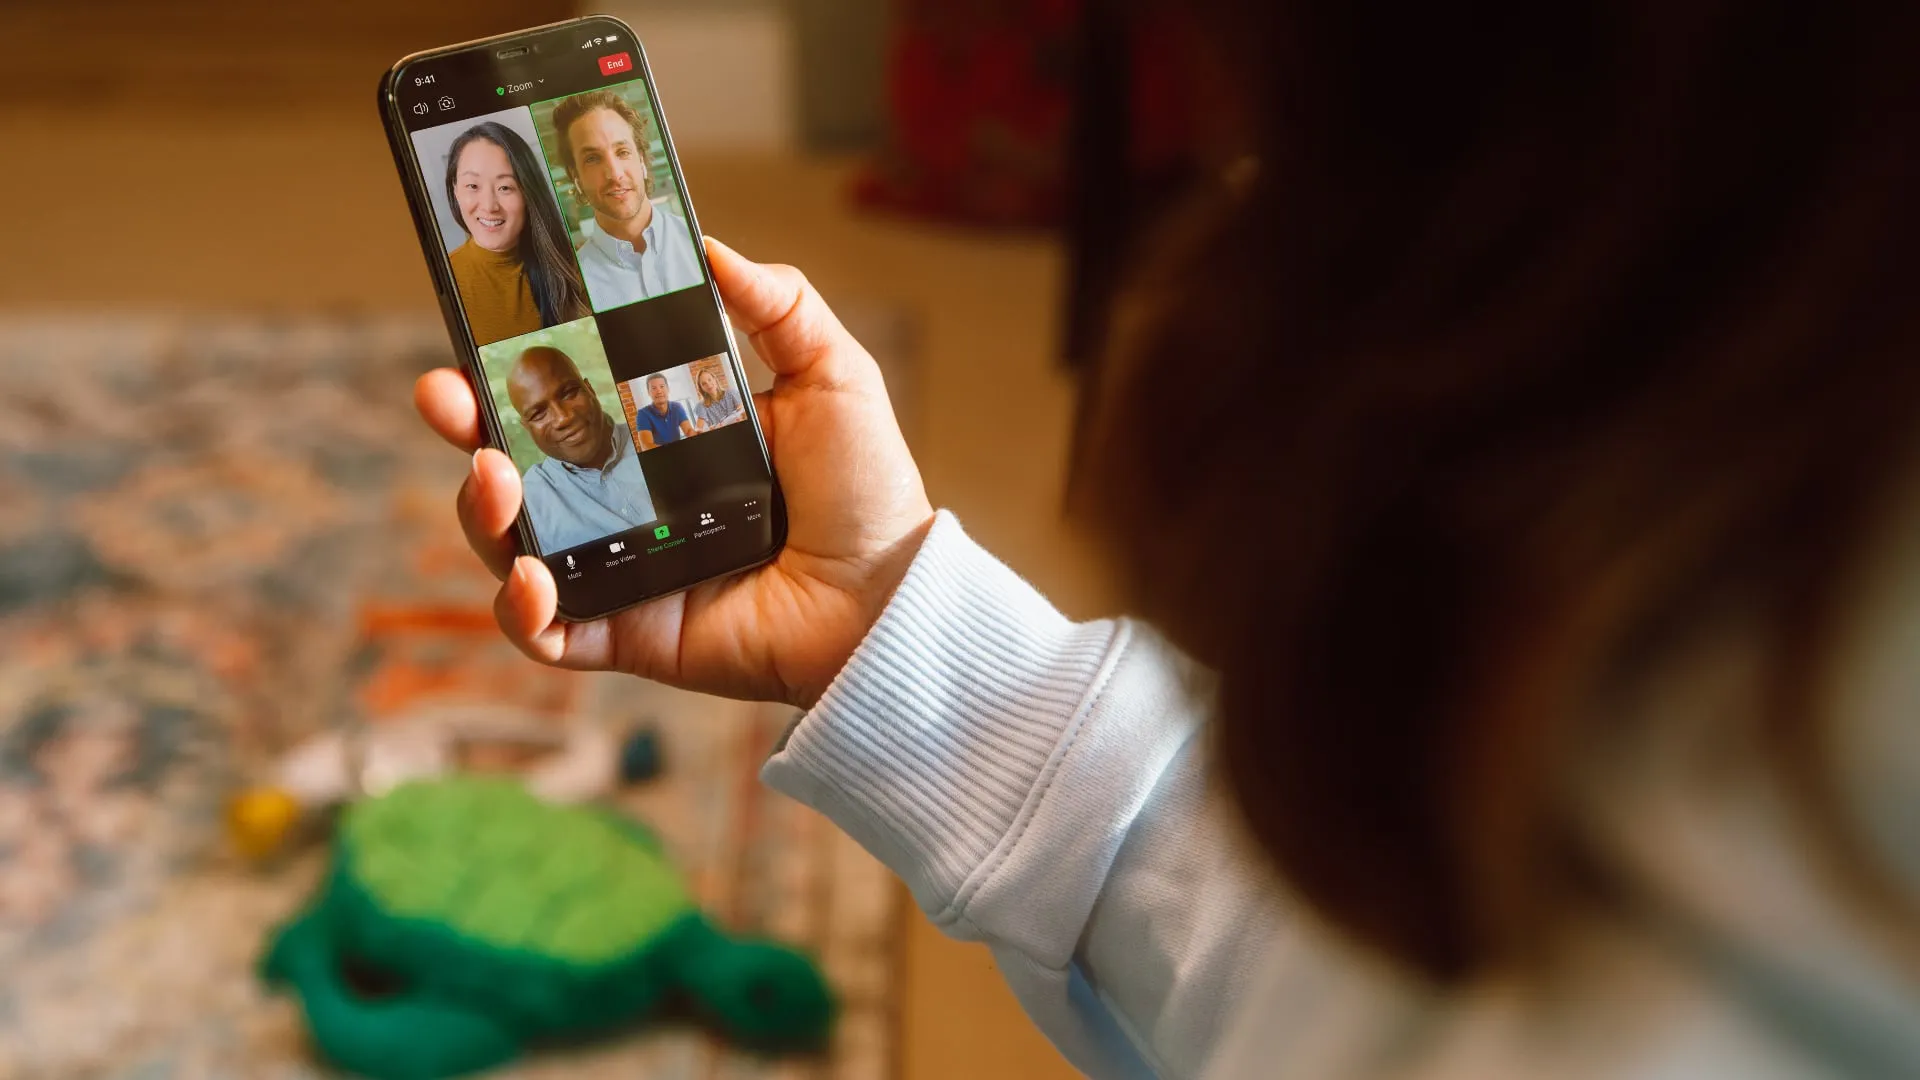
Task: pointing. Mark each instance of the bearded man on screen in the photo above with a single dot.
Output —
(636, 249)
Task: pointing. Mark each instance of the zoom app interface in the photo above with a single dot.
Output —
(570, 245)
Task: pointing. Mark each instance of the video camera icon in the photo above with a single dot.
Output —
(617, 546)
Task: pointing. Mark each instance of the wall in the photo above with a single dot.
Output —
(679, 387)
(766, 74)
(724, 70)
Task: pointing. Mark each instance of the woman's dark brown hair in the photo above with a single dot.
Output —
(552, 274)
(1553, 330)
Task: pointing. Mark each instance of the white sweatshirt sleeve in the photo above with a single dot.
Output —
(1039, 785)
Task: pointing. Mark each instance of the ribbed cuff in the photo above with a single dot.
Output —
(935, 739)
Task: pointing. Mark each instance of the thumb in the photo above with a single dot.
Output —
(790, 326)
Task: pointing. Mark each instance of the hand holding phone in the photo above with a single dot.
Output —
(857, 513)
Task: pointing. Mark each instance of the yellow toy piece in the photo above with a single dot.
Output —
(259, 819)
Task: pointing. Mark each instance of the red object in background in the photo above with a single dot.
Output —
(980, 103)
(615, 64)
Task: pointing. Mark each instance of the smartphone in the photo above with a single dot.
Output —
(566, 255)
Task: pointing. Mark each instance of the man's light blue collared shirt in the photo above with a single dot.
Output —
(616, 274)
(570, 506)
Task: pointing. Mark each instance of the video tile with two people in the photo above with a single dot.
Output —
(681, 402)
(552, 211)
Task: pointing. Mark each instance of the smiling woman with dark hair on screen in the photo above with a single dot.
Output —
(516, 272)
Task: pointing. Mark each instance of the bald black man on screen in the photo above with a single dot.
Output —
(590, 484)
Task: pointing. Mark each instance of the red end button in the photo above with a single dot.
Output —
(615, 64)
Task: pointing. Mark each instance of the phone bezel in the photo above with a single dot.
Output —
(419, 207)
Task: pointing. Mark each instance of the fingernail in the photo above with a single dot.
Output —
(476, 464)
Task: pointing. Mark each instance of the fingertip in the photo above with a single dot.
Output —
(432, 386)
(423, 391)
(536, 583)
(531, 602)
(494, 465)
(487, 505)
(525, 569)
(734, 274)
(492, 491)
(445, 401)
(720, 251)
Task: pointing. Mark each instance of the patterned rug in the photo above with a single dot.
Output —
(217, 537)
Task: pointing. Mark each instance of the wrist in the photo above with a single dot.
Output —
(869, 585)
(891, 566)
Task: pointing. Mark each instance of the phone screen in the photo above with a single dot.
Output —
(565, 250)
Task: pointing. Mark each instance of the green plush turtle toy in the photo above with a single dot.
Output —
(464, 920)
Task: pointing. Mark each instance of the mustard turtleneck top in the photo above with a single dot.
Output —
(494, 290)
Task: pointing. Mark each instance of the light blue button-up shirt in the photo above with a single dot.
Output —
(570, 506)
(617, 274)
